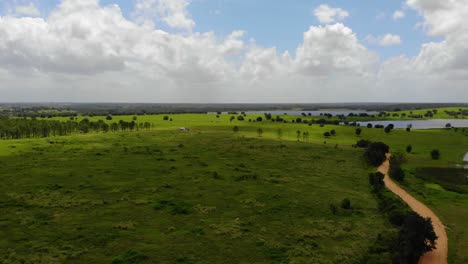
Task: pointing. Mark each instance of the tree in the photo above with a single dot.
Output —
(415, 238)
(166, 118)
(377, 181)
(376, 153)
(358, 131)
(235, 129)
(333, 132)
(435, 154)
(108, 117)
(259, 119)
(448, 125)
(363, 143)
(259, 132)
(369, 125)
(279, 133)
(298, 134)
(346, 204)
(397, 173)
(388, 129)
(327, 134)
(409, 149)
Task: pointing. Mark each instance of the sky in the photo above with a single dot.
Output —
(233, 51)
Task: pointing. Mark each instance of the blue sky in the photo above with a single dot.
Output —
(155, 52)
(281, 24)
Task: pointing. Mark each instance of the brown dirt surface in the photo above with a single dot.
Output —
(438, 255)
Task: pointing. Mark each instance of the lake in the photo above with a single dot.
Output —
(421, 124)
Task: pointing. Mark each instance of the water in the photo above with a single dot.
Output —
(422, 124)
(335, 112)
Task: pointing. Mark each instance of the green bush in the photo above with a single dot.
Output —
(130, 257)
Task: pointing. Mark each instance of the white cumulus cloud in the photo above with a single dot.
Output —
(326, 14)
(172, 12)
(385, 40)
(398, 15)
(84, 51)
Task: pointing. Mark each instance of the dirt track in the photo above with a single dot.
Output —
(439, 255)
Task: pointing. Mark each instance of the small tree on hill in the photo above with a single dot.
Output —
(279, 133)
(259, 132)
(376, 153)
(409, 149)
(358, 131)
(346, 204)
(435, 154)
(416, 237)
(327, 134)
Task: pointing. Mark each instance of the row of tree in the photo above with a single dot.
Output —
(16, 128)
(415, 235)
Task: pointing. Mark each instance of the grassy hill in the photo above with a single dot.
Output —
(209, 195)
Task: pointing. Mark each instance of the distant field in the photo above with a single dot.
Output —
(210, 195)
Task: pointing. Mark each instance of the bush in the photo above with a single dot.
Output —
(358, 131)
(333, 209)
(130, 257)
(327, 134)
(416, 237)
(346, 204)
(409, 149)
(376, 153)
(435, 154)
(376, 180)
(363, 143)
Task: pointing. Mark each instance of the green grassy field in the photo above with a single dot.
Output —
(209, 195)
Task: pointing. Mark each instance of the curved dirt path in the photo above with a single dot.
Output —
(439, 255)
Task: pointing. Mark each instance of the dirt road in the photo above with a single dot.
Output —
(439, 255)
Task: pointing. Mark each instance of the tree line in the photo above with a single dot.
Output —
(414, 235)
(17, 128)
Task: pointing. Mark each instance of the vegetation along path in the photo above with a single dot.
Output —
(438, 255)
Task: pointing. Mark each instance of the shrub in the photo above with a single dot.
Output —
(377, 181)
(363, 143)
(416, 237)
(130, 257)
(346, 204)
(376, 153)
(358, 131)
(435, 154)
(409, 149)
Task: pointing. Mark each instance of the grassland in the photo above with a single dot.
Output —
(209, 195)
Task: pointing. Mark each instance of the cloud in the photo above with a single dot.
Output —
(385, 40)
(327, 15)
(84, 51)
(398, 15)
(27, 10)
(172, 12)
